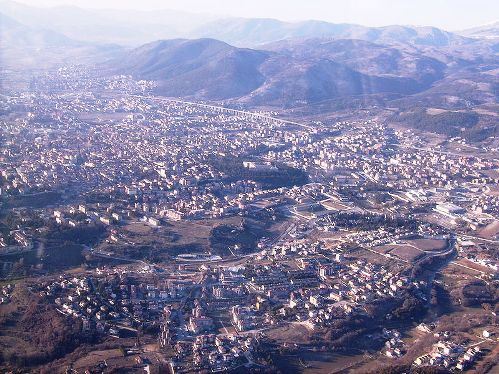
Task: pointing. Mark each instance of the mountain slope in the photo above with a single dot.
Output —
(365, 57)
(286, 75)
(255, 32)
(133, 28)
(14, 34)
(23, 48)
(205, 67)
(490, 31)
(125, 27)
(311, 81)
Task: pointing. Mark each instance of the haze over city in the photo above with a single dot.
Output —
(450, 15)
(282, 187)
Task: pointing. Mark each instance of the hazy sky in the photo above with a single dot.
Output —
(447, 14)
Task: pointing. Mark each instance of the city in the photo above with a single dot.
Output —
(240, 236)
(146, 232)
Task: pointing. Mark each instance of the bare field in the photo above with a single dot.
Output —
(474, 266)
(138, 228)
(331, 204)
(490, 231)
(428, 244)
(291, 333)
(407, 253)
(404, 251)
(139, 240)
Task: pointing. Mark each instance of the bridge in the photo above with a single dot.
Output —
(263, 117)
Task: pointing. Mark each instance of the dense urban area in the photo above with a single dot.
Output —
(140, 233)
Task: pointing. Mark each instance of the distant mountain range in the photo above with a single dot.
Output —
(15, 34)
(25, 47)
(133, 28)
(255, 32)
(111, 26)
(490, 31)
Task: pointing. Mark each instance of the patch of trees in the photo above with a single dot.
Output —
(88, 235)
(447, 123)
(412, 307)
(476, 293)
(371, 221)
(343, 333)
(429, 263)
(480, 133)
(284, 176)
(63, 256)
(245, 236)
(36, 200)
(98, 197)
(456, 322)
(47, 334)
(440, 299)
(426, 208)
(378, 309)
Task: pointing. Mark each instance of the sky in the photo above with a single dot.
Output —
(446, 14)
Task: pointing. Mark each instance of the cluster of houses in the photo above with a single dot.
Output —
(195, 344)
(344, 290)
(136, 153)
(313, 289)
(213, 352)
(16, 241)
(6, 293)
(481, 254)
(449, 355)
(395, 346)
(112, 300)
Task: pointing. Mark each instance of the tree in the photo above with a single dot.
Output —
(122, 351)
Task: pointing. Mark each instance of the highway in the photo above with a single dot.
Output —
(229, 110)
(478, 238)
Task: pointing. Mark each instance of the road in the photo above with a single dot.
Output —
(229, 110)
(478, 238)
(468, 267)
(443, 252)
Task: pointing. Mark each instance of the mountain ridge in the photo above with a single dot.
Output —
(134, 28)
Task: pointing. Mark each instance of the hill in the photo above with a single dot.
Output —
(204, 68)
(132, 27)
(304, 72)
(255, 32)
(16, 34)
(105, 26)
(309, 72)
(490, 31)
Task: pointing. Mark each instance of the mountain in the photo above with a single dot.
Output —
(133, 28)
(291, 83)
(285, 75)
(490, 31)
(15, 34)
(366, 57)
(106, 26)
(24, 48)
(203, 68)
(255, 32)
